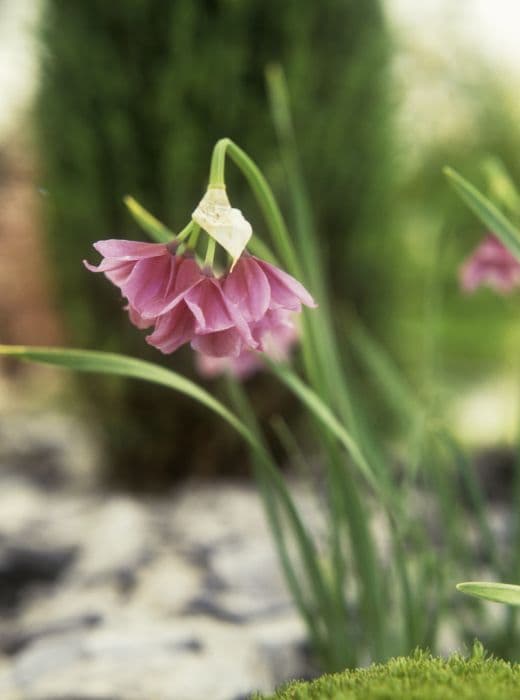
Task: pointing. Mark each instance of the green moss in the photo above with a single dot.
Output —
(418, 677)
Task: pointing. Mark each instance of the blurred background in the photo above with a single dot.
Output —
(104, 99)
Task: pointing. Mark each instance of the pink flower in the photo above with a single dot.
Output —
(276, 335)
(136, 318)
(241, 367)
(226, 317)
(490, 264)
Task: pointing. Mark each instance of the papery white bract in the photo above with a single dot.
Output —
(222, 222)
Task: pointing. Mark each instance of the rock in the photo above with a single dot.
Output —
(49, 450)
(165, 597)
(14, 641)
(46, 657)
(22, 566)
(167, 584)
(251, 582)
(21, 507)
(204, 516)
(243, 584)
(69, 600)
(136, 660)
(116, 541)
(282, 644)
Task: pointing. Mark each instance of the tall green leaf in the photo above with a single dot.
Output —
(113, 363)
(486, 211)
(495, 592)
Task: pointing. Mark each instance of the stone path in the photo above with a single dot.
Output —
(176, 597)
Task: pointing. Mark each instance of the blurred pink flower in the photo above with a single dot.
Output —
(222, 318)
(276, 335)
(490, 264)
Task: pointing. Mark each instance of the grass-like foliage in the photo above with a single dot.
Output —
(416, 677)
(362, 599)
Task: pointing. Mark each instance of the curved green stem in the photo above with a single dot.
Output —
(194, 235)
(218, 161)
(186, 232)
(263, 194)
(210, 253)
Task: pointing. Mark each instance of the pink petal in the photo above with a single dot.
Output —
(116, 272)
(241, 367)
(246, 286)
(276, 335)
(286, 292)
(188, 275)
(273, 320)
(148, 281)
(173, 330)
(136, 319)
(214, 312)
(150, 275)
(210, 367)
(226, 343)
(140, 270)
(490, 264)
(107, 265)
(207, 303)
(129, 250)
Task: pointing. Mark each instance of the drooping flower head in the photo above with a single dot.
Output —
(174, 295)
(490, 264)
(183, 301)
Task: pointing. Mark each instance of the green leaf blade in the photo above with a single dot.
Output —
(324, 415)
(157, 231)
(122, 365)
(496, 592)
(486, 211)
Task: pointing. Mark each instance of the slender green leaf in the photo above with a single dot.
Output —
(308, 249)
(496, 592)
(323, 364)
(111, 363)
(276, 509)
(486, 211)
(324, 415)
(501, 185)
(267, 203)
(398, 393)
(473, 490)
(153, 227)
